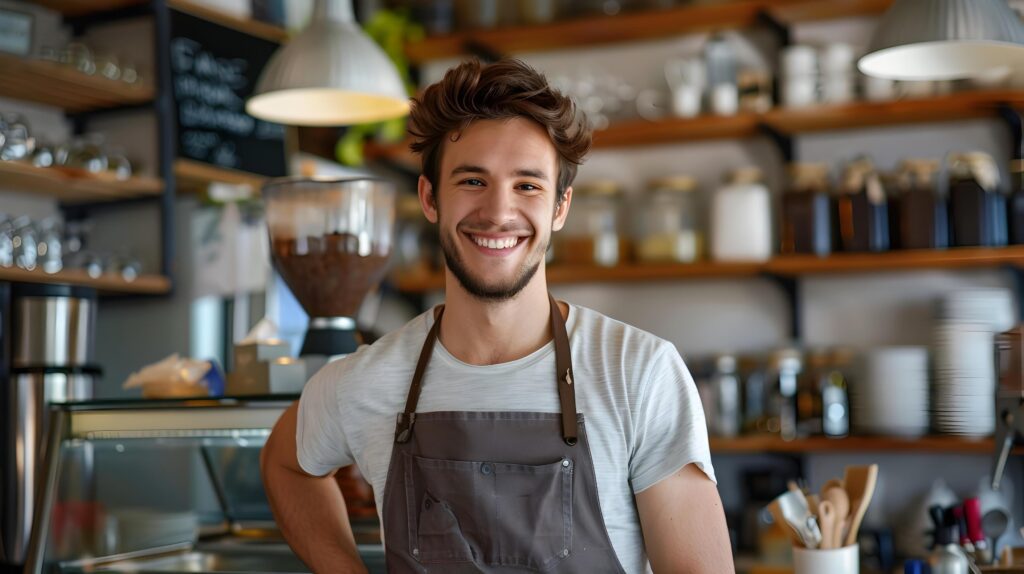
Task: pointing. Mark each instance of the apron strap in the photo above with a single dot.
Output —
(407, 418)
(564, 374)
(563, 377)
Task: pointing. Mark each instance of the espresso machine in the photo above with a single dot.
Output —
(47, 334)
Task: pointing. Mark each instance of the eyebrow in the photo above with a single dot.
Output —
(534, 173)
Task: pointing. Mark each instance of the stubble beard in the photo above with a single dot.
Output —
(476, 286)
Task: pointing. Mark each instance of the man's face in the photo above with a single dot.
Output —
(495, 205)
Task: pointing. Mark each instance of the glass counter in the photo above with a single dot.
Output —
(163, 486)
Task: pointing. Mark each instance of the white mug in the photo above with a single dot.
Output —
(833, 561)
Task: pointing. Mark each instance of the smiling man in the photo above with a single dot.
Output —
(504, 430)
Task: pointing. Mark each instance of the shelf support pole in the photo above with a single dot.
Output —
(1012, 119)
(166, 133)
(783, 142)
(791, 290)
(1017, 273)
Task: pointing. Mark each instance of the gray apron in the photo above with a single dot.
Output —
(495, 491)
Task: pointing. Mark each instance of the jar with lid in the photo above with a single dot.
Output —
(784, 370)
(822, 402)
(725, 397)
(1017, 202)
(741, 218)
(669, 227)
(592, 235)
(862, 209)
(806, 211)
(978, 206)
(416, 251)
(919, 211)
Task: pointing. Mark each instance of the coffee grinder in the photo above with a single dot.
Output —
(330, 239)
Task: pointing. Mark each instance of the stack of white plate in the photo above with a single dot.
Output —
(889, 392)
(992, 307)
(963, 398)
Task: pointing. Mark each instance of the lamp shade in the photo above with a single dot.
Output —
(944, 40)
(332, 74)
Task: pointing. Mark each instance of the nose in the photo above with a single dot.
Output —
(498, 205)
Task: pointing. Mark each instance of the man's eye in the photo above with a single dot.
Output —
(528, 187)
(472, 181)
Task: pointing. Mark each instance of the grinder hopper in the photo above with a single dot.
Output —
(330, 239)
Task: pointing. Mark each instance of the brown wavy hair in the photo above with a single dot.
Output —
(504, 89)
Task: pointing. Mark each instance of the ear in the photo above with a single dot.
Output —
(562, 210)
(427, 200)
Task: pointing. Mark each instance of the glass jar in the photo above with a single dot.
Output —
(725, 391)
(862, 209)
(806, 211)
(921, 211)
(741, 218)
(1017, 202)
(669, 230)
(977, 205)
(592, 235)
(784, 370)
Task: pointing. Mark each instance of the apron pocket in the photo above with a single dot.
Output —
(489, 512)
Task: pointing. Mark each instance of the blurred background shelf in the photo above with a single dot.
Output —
(68, 188)
(72, 8)
(631, 27)
(790, 265)
(108, 284)
(788, 121)
(193, 176)
(774, 444)
(247, 25)
(58, 85)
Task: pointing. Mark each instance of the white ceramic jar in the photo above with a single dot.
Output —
(741, 218)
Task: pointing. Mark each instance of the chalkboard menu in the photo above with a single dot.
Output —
(213, 71)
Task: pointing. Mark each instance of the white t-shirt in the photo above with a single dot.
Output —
(644, 419)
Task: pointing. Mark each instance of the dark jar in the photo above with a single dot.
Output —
(922, 211)
(977, 206)
(806, 215)
(862, 209)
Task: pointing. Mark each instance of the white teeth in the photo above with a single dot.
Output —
(504, 243)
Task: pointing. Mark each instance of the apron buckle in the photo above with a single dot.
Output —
(406, 427)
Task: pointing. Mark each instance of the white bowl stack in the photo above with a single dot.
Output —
(889, 392)
(964, 360)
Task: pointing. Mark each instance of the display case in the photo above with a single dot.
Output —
(163, 486)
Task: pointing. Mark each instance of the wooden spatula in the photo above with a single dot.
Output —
(841, 505)
(860, 487)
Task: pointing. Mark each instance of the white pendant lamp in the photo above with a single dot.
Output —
(332, 74)
(944, 40)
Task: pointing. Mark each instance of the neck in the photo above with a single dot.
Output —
(480, 332)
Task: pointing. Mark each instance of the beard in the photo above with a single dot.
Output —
(477, 286)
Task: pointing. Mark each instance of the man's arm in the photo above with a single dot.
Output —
(309, 509)
(684, 524)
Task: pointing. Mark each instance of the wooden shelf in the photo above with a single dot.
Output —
(194, 176)
(926, 444)
(82, 7)
(790, 266)
(145, 284)
(960, 106)
(636, 26)
(246, 25)
(58, 85)
(72, 188)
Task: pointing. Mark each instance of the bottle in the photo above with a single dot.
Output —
(741, 218)
(725, 385)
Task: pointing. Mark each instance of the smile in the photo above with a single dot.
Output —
(496, 243)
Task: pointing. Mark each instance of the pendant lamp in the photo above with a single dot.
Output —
(944, 40)
(332, 74)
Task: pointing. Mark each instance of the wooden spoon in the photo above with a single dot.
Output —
(860, 487)
(827, 523)
(841, 505)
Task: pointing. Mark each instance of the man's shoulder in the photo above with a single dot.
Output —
(595, 329)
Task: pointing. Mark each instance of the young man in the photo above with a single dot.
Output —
(531, 434)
